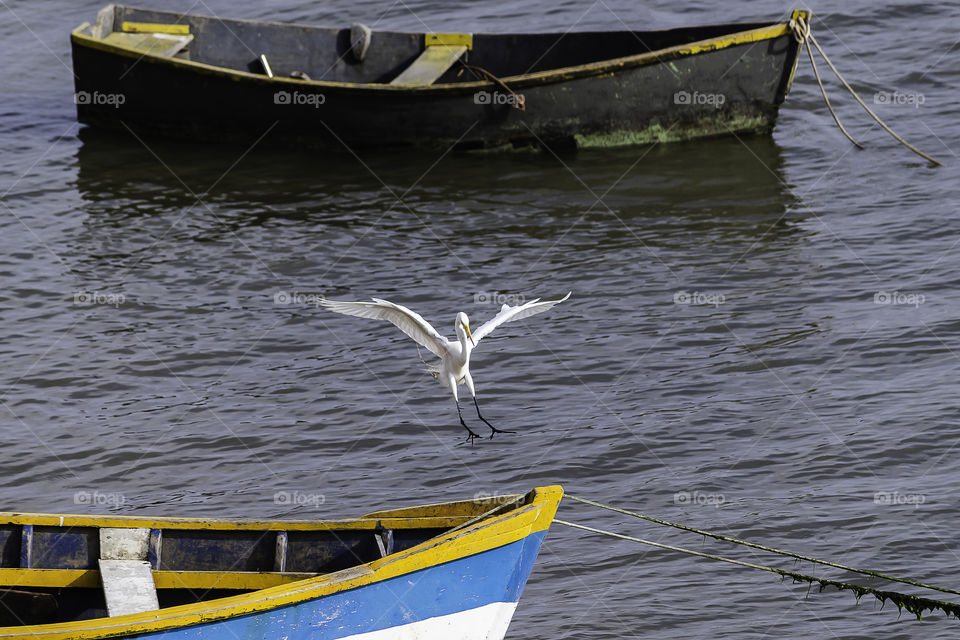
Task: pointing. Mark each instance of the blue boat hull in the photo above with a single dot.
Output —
(472, 597)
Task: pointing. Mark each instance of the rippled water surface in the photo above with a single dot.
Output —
(775, 406)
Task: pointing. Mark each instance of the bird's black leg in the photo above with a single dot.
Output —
(469, 430)
(493, 429)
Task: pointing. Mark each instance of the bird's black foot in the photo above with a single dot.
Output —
(494, 431)
(471, 435)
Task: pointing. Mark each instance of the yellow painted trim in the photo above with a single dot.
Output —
(90, 579)
(436, 515)
(50, 578)
(473, 507)
(201, 524)
(477, 538)
(449, 40)
(155, 27)
(224, 580)
(754, 35)
(603, 67)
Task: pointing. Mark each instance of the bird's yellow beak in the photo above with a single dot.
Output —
(469, 335)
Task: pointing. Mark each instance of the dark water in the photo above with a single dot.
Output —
(778, 414)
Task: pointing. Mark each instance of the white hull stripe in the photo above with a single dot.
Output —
(488, 622)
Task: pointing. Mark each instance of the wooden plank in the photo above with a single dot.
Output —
(124, 543)
(155, 27)
(385, 542)
(432, 63)
(90, 579)
(128, 587)
(64, 547)
(449, 39)
(26, 546)
(160, 44)
(104, 23)
(155, 548)
(213, 551)
(280, 558)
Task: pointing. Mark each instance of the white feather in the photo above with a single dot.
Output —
(509, 314)
(408, 321)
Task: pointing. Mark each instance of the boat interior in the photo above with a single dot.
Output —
(355, 54)
(68, 568)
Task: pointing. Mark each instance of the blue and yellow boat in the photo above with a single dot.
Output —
(449, 570)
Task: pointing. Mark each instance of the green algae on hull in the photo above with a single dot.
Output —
(658, 133)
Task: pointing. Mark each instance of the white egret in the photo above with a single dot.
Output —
(454, 367)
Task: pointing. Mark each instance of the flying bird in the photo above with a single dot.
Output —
(454, 367)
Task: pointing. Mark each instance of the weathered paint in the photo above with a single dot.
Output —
(449, 40)
(154, 27)
(440, 563)
(435, 60)
(386, 609)
(595, 101)
(78, 37)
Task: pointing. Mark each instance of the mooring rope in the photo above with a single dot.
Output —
(803, 35)
(519, 102)
(801, 32)
(914, 604)
(754, 545)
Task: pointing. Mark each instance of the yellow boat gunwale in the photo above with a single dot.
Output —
(516, 82)
(437, 515)
(487, 534)
(90, 579)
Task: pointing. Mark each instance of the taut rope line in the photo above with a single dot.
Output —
(797, 556)
(914, 604)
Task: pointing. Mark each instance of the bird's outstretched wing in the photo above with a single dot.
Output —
(509, 314)
(410, 322)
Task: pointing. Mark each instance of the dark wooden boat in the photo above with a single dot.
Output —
(157, 72)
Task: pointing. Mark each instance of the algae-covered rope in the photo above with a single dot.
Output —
(754, 545)
(801, 31)
(914, 604)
